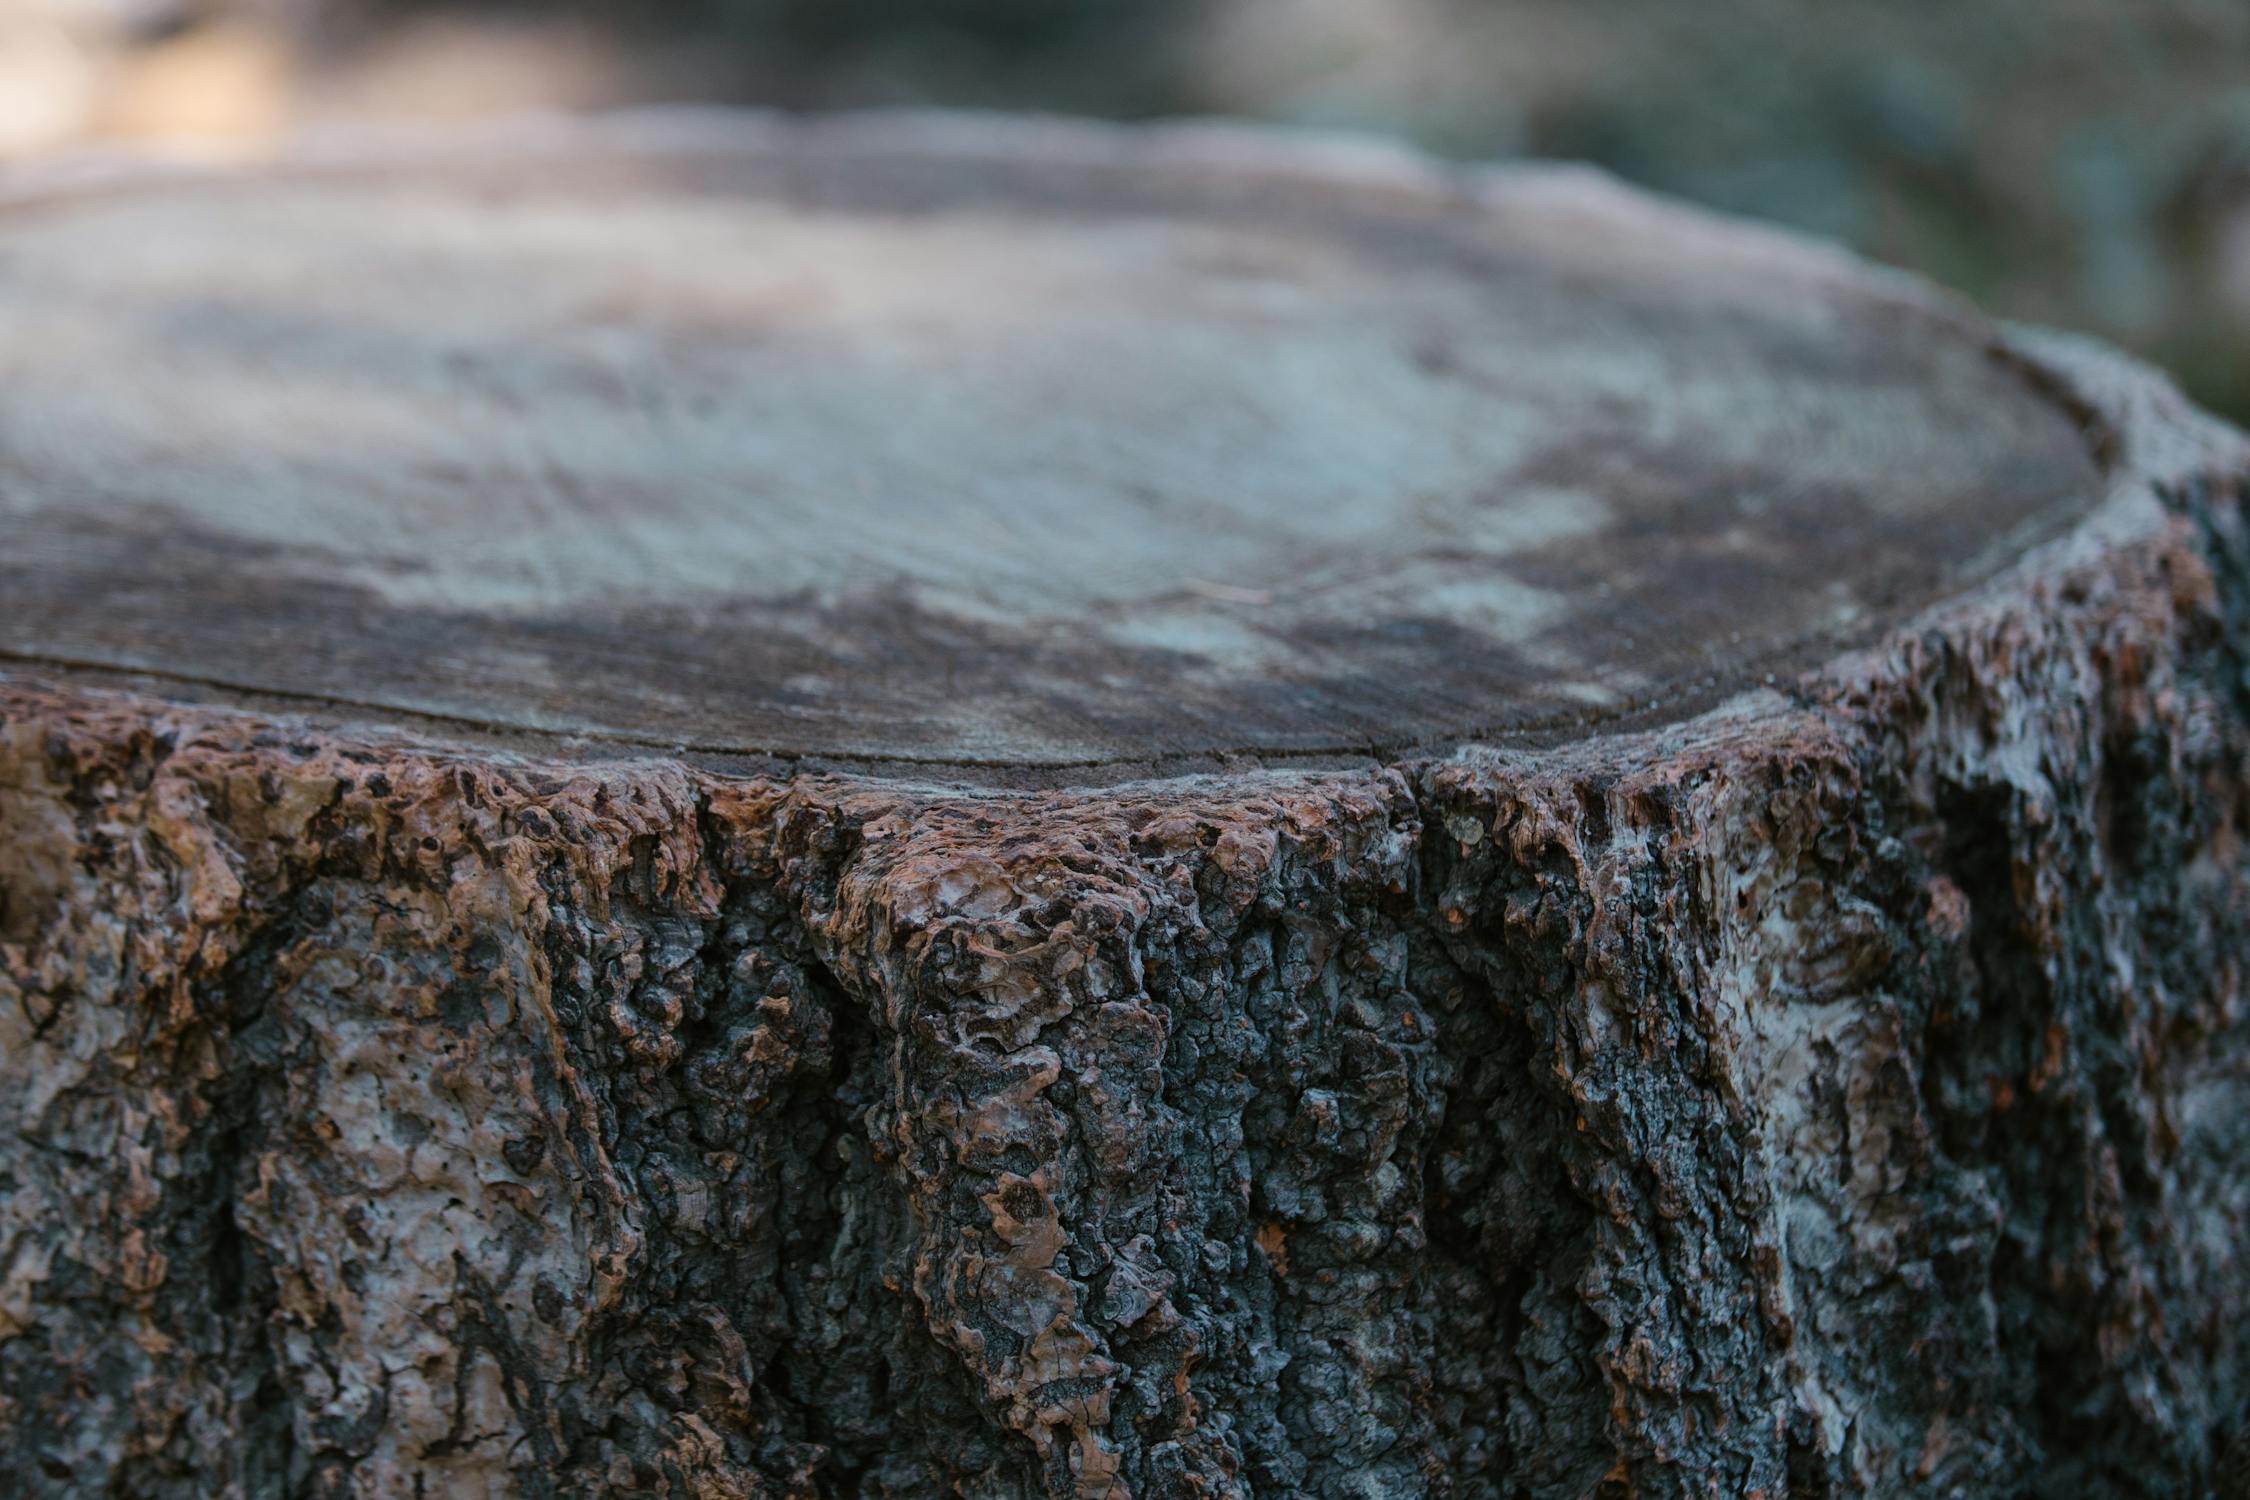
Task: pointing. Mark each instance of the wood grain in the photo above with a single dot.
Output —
(728, 809)
(1013, 446)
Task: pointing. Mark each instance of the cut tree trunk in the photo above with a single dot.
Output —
(705, 807)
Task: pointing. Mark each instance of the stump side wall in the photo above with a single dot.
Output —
(1844, 1090)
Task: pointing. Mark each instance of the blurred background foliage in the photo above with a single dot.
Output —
(2083, 162)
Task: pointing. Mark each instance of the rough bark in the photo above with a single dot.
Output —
(1842, 1089)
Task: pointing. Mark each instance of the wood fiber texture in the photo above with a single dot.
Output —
(1836, 1085)
(980, 446)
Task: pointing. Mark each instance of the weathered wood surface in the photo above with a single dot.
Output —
(808, 442)
(701, 807)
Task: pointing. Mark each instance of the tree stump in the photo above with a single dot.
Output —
(702, 806)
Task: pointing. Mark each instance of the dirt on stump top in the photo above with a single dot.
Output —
(973, 443)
